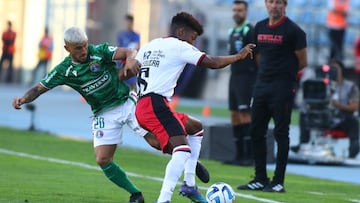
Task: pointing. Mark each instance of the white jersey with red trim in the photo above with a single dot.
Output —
(162, 61)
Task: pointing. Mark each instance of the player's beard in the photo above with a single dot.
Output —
(239, 20)
(276, 14)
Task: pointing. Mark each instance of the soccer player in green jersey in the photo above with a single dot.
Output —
(91, 71)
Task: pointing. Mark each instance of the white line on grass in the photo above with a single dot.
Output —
(322, 194)
(88, 166)
(315, 193)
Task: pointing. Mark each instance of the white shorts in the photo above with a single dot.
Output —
(108, 125)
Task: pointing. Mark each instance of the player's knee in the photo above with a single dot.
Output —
(152, 141)
(193, 126)
(155, 144)
(244, 117)
(176, 141)
(103, 160)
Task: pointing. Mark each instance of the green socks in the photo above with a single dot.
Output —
(118, 176)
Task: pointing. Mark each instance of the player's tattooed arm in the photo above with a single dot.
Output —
(29, 96)
(34, 93)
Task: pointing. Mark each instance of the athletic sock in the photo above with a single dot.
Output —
(118, 176)
(173, 171)
(248, 152)
(239, 141)
(243, 142)
(190, 166)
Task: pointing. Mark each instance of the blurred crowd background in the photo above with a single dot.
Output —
(102, 20)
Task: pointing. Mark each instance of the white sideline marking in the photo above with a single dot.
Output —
(321, 193)
(315, 193)
(88, 166)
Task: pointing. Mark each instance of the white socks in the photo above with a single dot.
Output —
(190, 166)
(173, 171)
(181, 160)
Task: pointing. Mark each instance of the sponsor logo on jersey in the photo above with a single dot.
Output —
(147, 55)
(94, 67)
(95, 58)
(152, 58)
(99, 134)
(96, 84)
(153, 63)
(269, 38)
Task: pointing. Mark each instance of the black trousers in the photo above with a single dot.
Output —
(9, 75)
(271, 100)
(336, 44)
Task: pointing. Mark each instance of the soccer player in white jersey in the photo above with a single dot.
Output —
(91, 71)
(162, 60)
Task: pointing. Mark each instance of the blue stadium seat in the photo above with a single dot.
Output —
(258, 15)
(350, 37)
(308, 17)
(320, 17)
(323, 38)
(300, 3)
(354, 19)
(318, 3)
(221, 2)
(355, 4)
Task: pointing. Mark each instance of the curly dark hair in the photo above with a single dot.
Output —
(186, 20)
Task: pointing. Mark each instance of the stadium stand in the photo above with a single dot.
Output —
(311, 15)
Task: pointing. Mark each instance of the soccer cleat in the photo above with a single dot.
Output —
(202, 173)
(192, 193)
(163, 202)
(136, 197)
(274, 187)
(254, 185)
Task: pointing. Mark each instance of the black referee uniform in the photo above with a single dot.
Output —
(242, 80)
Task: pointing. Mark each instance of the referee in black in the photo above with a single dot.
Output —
(280, 54)
(242, 79)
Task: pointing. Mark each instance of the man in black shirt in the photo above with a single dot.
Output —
(281, 53)
(242, 79)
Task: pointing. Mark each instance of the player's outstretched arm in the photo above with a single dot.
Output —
(132, 66)
(29, 96)
(217, 62)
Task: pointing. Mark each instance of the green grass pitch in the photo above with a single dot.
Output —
(37, 167)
